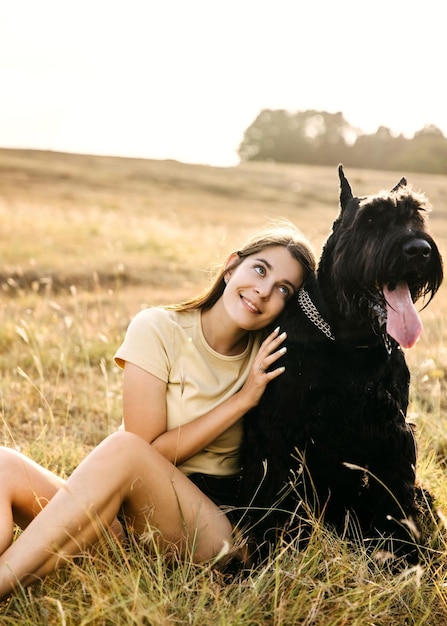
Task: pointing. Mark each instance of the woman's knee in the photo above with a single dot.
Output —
(123, 443)
(8, 453)
(129, 454)
(9, 461)
(27, 484)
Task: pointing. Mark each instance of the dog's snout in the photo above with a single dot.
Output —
(417, 249)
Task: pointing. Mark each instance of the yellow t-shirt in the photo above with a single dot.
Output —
(171, 346)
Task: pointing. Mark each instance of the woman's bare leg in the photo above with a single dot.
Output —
(26, 488)
(122, 470)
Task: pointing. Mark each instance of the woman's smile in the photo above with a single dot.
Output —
(251, 306)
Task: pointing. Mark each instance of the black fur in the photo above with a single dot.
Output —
(330, 436)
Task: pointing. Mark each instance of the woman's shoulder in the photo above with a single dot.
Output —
(164, 317)
(153, 331)
(151, 313)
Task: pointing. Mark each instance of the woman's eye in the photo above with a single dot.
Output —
(285, 291)
(260, 269)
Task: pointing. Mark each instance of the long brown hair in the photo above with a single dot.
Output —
(279, 233)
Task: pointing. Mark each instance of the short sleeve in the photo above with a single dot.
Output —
(146, 343)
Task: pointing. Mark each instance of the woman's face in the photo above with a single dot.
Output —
(259, 287)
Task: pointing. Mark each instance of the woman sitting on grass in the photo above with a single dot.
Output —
(191, 371)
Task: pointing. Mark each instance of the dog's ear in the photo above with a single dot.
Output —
(401, 183)
(345, 188)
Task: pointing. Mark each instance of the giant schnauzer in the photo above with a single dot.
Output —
(330, 435)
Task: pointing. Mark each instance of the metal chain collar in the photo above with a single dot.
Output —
(311, 311)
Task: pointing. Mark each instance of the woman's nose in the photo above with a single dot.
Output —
(263, 290)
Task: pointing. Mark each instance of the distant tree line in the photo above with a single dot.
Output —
(321, 138)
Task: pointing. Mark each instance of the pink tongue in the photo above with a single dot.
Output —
(403, 321)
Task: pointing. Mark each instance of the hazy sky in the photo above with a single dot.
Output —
(183, 79)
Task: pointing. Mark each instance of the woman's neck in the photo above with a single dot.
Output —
(220, 334)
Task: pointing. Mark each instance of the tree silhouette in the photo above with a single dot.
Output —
(322, 138)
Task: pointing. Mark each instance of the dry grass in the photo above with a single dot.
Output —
(87, 241)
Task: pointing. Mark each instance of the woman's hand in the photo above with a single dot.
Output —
(261, 374)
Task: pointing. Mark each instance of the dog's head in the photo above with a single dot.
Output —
(380, 259)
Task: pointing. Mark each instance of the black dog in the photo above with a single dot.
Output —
(330, 435)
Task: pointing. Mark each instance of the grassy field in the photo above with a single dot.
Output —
(85, 242)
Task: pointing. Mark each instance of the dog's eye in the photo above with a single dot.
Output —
(370, 223)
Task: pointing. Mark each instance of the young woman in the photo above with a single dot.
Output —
(191, 371)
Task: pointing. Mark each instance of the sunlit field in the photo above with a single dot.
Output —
(85, 242)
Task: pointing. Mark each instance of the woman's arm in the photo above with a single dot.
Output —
(144, 398)
(144, 403)
(145, 415)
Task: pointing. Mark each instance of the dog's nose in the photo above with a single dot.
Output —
(417, 249)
